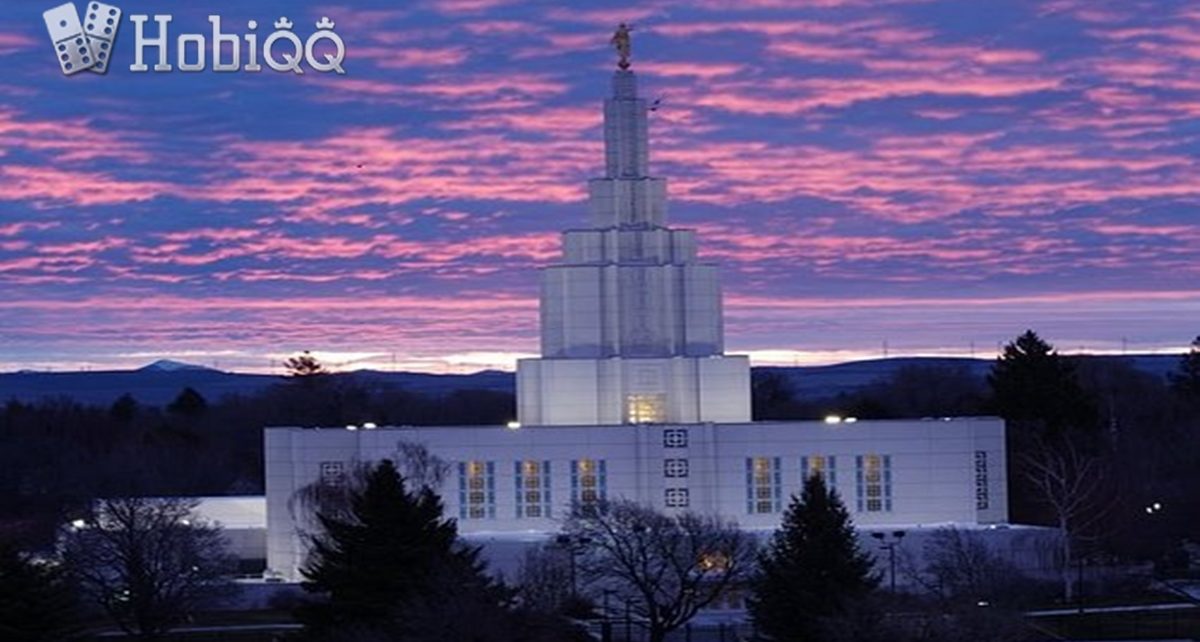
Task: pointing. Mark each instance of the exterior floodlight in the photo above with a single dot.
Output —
(850, 420)
(513, 425)
(370, 425)
(78, 524)
(351, 427)
(833, 419)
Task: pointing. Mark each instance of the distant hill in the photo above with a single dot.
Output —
(159, 382)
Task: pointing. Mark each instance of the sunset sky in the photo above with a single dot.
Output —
(936, 175)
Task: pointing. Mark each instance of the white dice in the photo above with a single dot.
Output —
(100, 25)
(71, 46)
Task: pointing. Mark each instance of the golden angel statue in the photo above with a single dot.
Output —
(621, 42)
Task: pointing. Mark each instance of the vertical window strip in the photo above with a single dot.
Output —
(825, 466)
(859, 491)
(490, 498)
(589, 481)
(519, 477)
(763, 485)
(477, 490)
(749, 485)
(462, 490)
(873, 483)
(982, 499)
(887, 483)
(778, 480)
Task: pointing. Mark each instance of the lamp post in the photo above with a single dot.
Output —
(890, 545)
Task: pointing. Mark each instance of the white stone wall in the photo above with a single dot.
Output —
(933, 468)
(564, 392)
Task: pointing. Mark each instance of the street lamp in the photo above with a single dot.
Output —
(890, 545)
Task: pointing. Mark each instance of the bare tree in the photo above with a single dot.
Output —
(1074, 485)
(959, 565)
(666, 568)
(148, 562)
(544, 579)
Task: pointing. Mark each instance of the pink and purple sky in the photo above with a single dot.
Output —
(937, 175)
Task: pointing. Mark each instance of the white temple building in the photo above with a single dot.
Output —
(633, 397)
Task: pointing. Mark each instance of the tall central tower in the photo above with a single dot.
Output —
(631, 321)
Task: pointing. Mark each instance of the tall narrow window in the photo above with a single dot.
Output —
(819, 465)
(764, 485)
(646, 409)
(589, 481)
(982, 499)
(477, 490)
(533, 488)
(873, 477)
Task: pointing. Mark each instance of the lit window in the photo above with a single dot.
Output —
(533, 488)
(675, 467)
(646, 409)
(676, 497)
(589, 481)
(819, 465)
(332, 473)
(873, 477)
(982, 499)
(764, 483)
(675, 438)
(477, 490)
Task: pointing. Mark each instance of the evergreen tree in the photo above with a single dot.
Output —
(1034, 388)
(377, 560)
(124, 409)
(36, 603)
(1186, 380)
(812, 569)
(188, 403)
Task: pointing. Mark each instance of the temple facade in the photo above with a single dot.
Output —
(634, 398)
(631, 320)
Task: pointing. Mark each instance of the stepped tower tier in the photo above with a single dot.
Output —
(630, 319)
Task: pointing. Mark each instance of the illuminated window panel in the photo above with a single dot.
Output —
(873, 483)
(533, 488)
(646, 408)
(589, 481)
(764, 485)
(826, 466)
(477, 490)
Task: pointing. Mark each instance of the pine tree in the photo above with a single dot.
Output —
(812, 569)
(188, 403)
(1035, 388)
(36, 602)
(1186, 380)
(375, 562)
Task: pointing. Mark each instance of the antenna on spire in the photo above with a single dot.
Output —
(622, 43)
